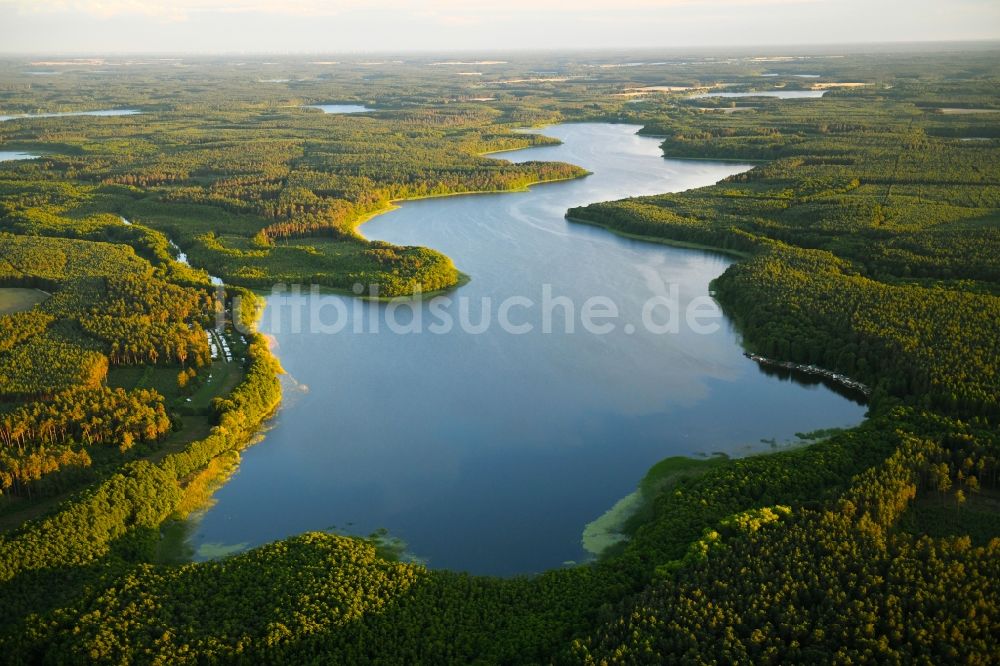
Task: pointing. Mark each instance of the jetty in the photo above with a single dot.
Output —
(837, 378)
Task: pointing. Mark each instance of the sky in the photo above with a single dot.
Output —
(341, 26)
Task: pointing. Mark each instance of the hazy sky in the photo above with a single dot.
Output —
(92, 26)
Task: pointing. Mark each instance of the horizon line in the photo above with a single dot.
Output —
(995, 41)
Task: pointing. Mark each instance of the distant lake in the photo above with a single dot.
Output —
(491, 451)
(340, 108)
(965, 111)
(781, 94)
(105, 112)
(10, 156)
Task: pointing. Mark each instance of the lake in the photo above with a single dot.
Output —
(12, 155)
(103, 113)
(340, 108)
(490, 451)
(781, 94)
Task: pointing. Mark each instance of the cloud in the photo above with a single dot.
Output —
(451, 11)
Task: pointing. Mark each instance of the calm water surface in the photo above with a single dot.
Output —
(490, 452)
(13, 155)
(340, 108)
(781, 94)
(103, 113)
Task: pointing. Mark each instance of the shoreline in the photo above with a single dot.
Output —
(607, 533)
(396, 203)
(463, 278)
(727, 160)
(617, 524)
(685, 245)
(813, 371)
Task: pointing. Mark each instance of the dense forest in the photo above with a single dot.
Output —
(869, 238)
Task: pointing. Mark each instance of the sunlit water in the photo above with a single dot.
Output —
(340, 108)
(13, 155)
(490, 452)
(780, 94)
(101, 113)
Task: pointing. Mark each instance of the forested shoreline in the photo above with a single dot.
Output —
(871, 244)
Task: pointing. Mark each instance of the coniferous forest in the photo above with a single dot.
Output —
(868, 244)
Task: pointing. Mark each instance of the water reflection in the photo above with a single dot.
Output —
(490, 452)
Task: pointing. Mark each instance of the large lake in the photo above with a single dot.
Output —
(490, 452)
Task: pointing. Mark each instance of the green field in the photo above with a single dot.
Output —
(216, 379)
(18, 299)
